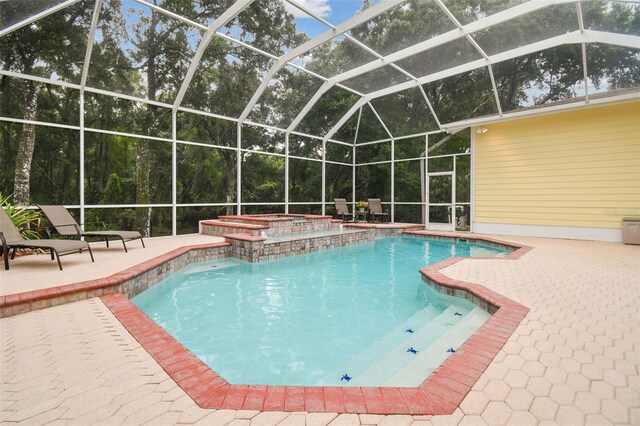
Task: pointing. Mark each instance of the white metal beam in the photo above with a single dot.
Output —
(529, 112)
(585, 74)
(174, 173)
(307, 107)
(94, 90)
(37, 16)
(358, 43)
(433, 111)
(90, 40)
(362, 17)
(460, 32)
(495, 89)
(238, 42)
(362, 101)
(355, 137)
(170, 14)
(384, 126)
(481, 24)
(479, 49)
(575, 37)
(222, 20)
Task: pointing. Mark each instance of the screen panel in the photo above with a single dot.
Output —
(262, 178)
(205, 175)
(188, 217)
(329, 109)
(338, 181)
(407, 181)
(226, 78)
(206, 129)
(305, 180)
(141, 52)
(539, 25)
(474, 87)
(402, 26)
(405, 113)
(541, 78)
(52, 47)
(111, 171)
(373, 181)
(286, 94)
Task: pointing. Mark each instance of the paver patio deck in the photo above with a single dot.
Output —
(575, 358)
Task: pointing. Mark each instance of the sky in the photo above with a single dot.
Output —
(333, 11)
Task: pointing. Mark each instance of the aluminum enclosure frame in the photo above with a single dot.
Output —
(580, 37)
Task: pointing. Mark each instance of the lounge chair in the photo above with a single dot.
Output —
(66, 226)
(12, 239)
(375, 209)
(342, 209)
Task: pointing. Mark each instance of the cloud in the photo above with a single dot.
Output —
(320, 7)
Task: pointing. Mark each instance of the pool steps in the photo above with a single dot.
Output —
(397, 357)
(356, 365)
(430, 358)
(439, 329)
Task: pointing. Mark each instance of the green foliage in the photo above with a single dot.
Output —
(22, 217)
(262, 178)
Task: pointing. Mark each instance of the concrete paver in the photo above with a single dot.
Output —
(575, 359)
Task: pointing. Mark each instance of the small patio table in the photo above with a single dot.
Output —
(362, 215)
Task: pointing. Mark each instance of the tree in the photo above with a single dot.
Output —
(35, 50)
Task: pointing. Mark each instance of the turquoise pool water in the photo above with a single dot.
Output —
(359, 312)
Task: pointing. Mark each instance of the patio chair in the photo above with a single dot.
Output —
(375, 209)
(12, 239)
(66, 226)
(342, 209)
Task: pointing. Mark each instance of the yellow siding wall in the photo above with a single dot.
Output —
(578, 168)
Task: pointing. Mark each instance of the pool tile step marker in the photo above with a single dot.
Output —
(392, 339)
(433, 355)
(399, 358)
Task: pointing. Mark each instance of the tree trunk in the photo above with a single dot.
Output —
(143, 155)
(5, 106)
(143, 196)
(230, 180)
(26, 145)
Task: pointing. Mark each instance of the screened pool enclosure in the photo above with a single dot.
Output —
(154, 114)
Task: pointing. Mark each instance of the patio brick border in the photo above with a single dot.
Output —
(130, 281)
(440, 393)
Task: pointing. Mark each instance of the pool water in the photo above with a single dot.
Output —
(354, 316)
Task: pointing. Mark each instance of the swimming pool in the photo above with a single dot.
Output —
(353, 316)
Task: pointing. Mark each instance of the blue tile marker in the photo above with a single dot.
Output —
(457, 314)
(451, 350)
(408, 330)
(345, 378)
(411, 350)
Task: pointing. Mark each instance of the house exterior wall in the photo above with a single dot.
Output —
(568, 175)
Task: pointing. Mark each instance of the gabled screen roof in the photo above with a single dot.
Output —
(407, 67)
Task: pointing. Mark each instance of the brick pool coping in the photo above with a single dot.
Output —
(18, 303)
(440, 393)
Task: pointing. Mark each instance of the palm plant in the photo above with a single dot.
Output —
(25, 219)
